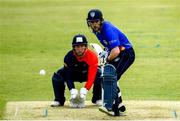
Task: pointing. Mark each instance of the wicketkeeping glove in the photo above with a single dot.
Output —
(83, 93)
(81, 103)
(74, 98)
(74, 93)
(82, 97)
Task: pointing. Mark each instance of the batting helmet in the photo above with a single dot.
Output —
(79, 39)
(94, 14)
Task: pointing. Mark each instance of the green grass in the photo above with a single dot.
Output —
(36, 35)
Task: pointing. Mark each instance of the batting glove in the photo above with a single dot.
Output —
(103, 57)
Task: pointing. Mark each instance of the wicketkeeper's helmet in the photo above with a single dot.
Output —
(94, 14)
(79, 39)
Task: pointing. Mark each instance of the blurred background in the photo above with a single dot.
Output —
(36, 34)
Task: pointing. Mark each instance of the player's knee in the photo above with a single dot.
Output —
(99, 72)
(56, 78)
(109, 73)
(98, 79)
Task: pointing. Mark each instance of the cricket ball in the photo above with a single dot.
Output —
(42, 72)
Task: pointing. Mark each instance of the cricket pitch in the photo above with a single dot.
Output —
(136, 110)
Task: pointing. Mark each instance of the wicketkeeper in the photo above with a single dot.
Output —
(119, 55)
(80, 65)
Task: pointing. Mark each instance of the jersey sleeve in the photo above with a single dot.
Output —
(66, 60)
(68, 70)
(92, 61)
(112, 37)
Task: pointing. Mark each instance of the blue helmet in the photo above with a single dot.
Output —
(94, 14)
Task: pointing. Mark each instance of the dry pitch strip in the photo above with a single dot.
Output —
(136, 110)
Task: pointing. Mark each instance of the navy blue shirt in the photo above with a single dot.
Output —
(111, 37)
(84, 67)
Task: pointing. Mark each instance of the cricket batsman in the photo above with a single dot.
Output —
(119, 56)
(80, 65)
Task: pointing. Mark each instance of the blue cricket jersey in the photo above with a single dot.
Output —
(111, 37)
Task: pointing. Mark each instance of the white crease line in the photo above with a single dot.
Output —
(16, 111)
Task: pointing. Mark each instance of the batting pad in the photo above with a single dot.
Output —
(109, 85)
